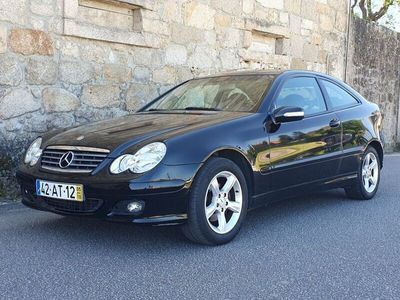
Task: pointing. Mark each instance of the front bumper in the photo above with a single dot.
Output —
(165, 198)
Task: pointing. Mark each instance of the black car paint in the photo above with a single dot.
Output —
(322, 155)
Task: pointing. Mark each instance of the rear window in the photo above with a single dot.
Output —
(338, 97)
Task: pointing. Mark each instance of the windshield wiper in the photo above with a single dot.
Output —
(202, 108)
(186, 108)
(156, 109)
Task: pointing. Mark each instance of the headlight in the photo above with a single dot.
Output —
(142, 161)
(33, 154)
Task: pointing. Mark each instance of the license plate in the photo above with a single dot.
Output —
(56, 190)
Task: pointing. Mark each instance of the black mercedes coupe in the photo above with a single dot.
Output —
(208, 150)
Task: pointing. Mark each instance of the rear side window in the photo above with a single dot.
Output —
(339, 97)
(302, 92)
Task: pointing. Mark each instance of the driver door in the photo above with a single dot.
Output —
(308, 150)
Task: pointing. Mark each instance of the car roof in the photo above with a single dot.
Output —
(243, 73)
(268, 72)
(250, 72)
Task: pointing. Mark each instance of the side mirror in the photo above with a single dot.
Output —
(287, 114)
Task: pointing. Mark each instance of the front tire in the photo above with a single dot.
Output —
(218, 203)
(369, 175)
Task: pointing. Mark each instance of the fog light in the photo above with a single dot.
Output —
(135, 207)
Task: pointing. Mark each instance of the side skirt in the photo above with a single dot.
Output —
(302, 189)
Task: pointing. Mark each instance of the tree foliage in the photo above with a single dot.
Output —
(369, 12)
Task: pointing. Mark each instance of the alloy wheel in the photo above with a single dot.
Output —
(370, 172)
(223, 202)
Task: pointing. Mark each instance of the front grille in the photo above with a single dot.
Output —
(85, 159)
(87, 206)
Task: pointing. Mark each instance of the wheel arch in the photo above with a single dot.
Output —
(379, 148)
(241, 161)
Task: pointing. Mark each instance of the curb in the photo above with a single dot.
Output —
(4, 204)
(6, 207)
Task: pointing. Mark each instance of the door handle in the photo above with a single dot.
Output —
(334, 123)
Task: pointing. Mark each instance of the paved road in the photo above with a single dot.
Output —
(317, 247)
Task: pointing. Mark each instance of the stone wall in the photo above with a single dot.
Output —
(68, 62)
(374, 69)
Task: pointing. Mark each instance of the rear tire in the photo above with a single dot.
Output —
(218, 203)
(369, 175)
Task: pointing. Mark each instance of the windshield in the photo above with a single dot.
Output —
(229, 93)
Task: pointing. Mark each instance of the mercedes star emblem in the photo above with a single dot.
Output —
(66, 160)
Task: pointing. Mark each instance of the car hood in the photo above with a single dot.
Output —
(136, 128)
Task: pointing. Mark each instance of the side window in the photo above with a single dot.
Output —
(302, 92)
(338, 96)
